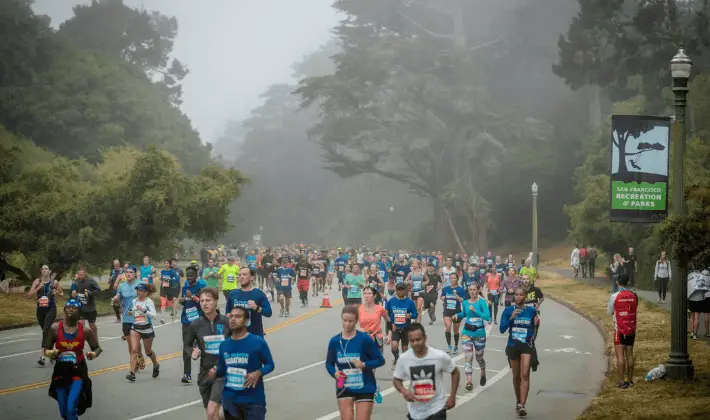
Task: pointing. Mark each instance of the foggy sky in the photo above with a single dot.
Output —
(234, 49)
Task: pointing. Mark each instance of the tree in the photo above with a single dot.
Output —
(136, 202)
(142, 38)
(625, 128)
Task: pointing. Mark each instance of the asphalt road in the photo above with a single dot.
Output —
(570, 351)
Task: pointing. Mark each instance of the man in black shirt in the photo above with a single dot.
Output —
(630, 267)
(431, 292)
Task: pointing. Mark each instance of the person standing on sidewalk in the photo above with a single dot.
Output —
(622, 306)
(592, 255)
(424, 366)
(630, 265)
(617, 268)
(662, 276)
(583, 261)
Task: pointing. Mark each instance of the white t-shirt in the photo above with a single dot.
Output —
(426, 376)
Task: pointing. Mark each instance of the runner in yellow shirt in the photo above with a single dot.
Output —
(529, 270)
(229, 273)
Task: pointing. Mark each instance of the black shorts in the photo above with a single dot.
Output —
(448, 313)
(699, 306)
(286, 292)
(624, 340)
(348, 394)
(144, 335)
(513, 352)
(210, 389)
(401, 336)
(353, 301)
(169, 293)
(430, 299)
(417, 295)
(126, 328)
(89, 316)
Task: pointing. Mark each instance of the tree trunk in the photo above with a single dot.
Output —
(595, 108)
(450, 222)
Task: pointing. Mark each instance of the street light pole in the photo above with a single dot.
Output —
(679, 365)
(535, 257)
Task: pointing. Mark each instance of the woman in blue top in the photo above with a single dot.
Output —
(44, 289)
(474, 312)
(519, 321)
(351, 360)
(452, 296)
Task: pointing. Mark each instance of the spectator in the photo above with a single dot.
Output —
(630, 267)
(583, 261)
(617, 268)
(662, 276)
(699, 301)
(592, 255)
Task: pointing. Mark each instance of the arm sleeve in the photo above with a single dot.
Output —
(485, 312)
(374, 356)
(267, 360)
(505, 319)
(539, 291)
(221, 366)
(150, 309)
(330, 360)
(265, 306)
(94, 286)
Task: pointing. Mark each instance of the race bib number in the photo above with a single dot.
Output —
(166, 284)
(451, 304)
(82, 298)
(400, 318)
(67, 357)
(231, 278)
(43, 302)
(417, 285)
(235, 378)
(520, 334)
(423, 387)
(145, 279)
(510, 265)
(212, 343)
(341, 268)
(381, 273)
(141, 320)
(285, 281)
(303, 273)
(192, 314)
(354, 378)
(400, 279)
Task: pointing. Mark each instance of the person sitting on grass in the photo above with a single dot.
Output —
(622, 306)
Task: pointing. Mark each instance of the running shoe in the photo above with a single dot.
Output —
(522, 412)
(186, 379)
(287, 314)
(281, 313)
(448, 349)
(162, 320)
(483, 380)
(41, 361)
(131, 377)
(156, 370)
(456, 349)
(469, 386)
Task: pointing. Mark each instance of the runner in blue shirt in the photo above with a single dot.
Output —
(191, 311)
(285, 277)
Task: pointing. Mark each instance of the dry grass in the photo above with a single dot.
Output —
(660, 399)
(551, 255)
(19, 310)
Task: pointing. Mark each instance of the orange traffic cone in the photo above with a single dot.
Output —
(326, 300)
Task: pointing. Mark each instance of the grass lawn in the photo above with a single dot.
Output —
(660, 399)
(18, 309)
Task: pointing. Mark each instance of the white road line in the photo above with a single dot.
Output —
(14, 341)
(469, 396)
(22, 335)
(269, 379)
(100, 339)
(392, 389)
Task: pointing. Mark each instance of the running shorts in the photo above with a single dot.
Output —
(89, 316)
(417, 295)
(303, 284)
(513, 352)
(286, 291)
(126, 328)
(168, 293)
(624, 340)
(346, 393)
(244, 412)
(210, 389)
(448, 313)
(353, 301)
(430, 299)
(400, 335)
(144, 335)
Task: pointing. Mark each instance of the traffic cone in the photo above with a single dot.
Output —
(326, 300)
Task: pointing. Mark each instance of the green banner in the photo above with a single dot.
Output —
(639, 168)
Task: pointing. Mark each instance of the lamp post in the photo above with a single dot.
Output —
(391, 226)
(534, 226)
(679, 365)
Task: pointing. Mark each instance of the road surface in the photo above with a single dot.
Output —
(570, 351)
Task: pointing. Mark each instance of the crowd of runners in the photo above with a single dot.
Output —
(378, 287)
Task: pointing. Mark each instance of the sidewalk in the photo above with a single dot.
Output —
(650, 296)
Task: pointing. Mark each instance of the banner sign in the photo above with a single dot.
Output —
(639, 168)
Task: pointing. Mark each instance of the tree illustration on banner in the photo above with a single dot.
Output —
(627, 129)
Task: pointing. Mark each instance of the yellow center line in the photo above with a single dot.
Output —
(169, 356)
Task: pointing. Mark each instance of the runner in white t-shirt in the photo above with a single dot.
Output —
(424, 367)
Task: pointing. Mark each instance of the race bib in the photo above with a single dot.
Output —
(82, 298)
(316, 271)
(192, 314)
(67, 357)
(303, 273)
(417, 285)
(212, 343)
(381, 273)
(235, 378)
(493, 292)
(145, 279)
(423, 387)
(520, 334)
(285, 281)
(451, 304)
(400, 318)
(341, 268)
(230, 278)
(354, 378)
(166, 284)
(141, 320)
(43, 302)
(400, 279)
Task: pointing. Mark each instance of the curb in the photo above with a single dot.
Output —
(602, 331)
(34, 324)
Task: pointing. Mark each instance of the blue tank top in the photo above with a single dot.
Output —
(417, 280)
(45, 296)
(147, 273)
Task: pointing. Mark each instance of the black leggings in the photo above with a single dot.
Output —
(186, 357)
(662, 288)
(493, 301)
(45, 318)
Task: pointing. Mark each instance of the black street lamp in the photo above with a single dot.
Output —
(679, 365)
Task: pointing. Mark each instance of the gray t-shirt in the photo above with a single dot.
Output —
(87, 300)
(426, 376)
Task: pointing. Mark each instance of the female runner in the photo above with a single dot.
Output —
(351, 360)
(45, 288)
(415, 279)
(474, 313)
(143, 310)
(452, 296)
(519, 320)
